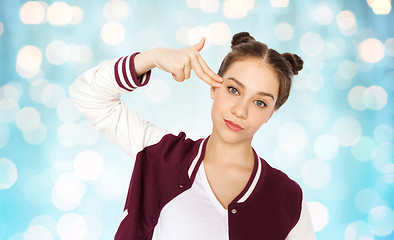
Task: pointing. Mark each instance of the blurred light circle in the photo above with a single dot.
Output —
(194, 3)
(68, 133)
(323, 15)
(284, 31)
(284, 159)
(57, 52)
(363, 149)
(314, 63)
(113, 33)
(71, 226)
(80, 54)
(157, 91)
(36, 189)
(38, 232)
(375, 97)
(355, 98)
(1, 28)
(8, 110)
(149, 38)
(196, 33)
(36, 88)
(359, 230)
(52, 95)
(347, 130)
(88, 165)
(220, 33)
(116, 10)
(371, 50)
(211, 6)
(8, 173)
(388, 45)
(88, 134)
(292, 137)
(9, 91)
(91, 206)
(279, 3)
(319, 215)
(69, 188)
(316, 173)
(383, 133)
(381, 220)
(93, 228)
(382, 157)
(182, 35)
(347, 69)
(29, 58)
(242, 4)
(28, 119)
(381, 7)
(46, 221)
(113, 182)
(67, 112)
(315, 81)
(4, 134)
(37, 136)
(59, 13)
(318, 116)
(77, 15)
(312, 43)
(346, 20)
(230, 11)
(33, 12)
(325, 146)
(366, 199)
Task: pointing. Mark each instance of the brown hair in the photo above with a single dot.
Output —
(284, 65)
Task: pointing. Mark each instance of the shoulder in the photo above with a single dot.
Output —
(280, 181)
(173, 148)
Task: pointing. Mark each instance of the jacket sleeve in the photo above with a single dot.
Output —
(96, 93)
(303, 230)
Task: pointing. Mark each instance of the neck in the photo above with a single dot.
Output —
(221, 152)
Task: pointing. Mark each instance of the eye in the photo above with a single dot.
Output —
(260, 103)
(233, 90)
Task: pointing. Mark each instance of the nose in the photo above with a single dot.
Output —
(240, 110)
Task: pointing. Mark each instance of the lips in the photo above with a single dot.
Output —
(233, 126)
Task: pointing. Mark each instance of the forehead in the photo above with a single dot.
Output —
(254, 74)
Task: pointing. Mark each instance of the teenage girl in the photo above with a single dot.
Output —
(211, 188)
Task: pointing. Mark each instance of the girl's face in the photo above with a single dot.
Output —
(245, 101)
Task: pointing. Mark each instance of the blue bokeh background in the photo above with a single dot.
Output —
(60, 179)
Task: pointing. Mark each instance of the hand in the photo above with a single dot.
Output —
(180, 62)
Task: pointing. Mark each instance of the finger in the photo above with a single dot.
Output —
(188, 69)
(208, 70)
(199, 45)
(202, 74)
(179, 75)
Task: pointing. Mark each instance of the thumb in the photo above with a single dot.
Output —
(199, 45)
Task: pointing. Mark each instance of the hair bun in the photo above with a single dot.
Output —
(241, 37)
(295, 62)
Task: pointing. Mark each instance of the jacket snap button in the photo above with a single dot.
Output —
(180, 185)
(233, 211)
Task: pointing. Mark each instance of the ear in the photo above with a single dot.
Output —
(212, 92)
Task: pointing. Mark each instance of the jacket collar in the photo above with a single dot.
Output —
(258, 172)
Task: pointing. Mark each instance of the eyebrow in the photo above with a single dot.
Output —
(243, 86)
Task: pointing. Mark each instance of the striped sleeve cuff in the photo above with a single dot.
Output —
(126, 76)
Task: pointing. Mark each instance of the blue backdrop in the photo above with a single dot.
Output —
(60, 179)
